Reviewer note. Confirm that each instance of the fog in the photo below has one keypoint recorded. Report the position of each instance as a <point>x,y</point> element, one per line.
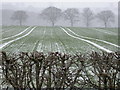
<point>33,10</point>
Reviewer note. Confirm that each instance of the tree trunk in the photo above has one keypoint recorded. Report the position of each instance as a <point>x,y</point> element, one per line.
<point>20,22</point>
<point>87,24</point>
<point>105,24</point>
<point>53,24</point>
<point>71,23</point>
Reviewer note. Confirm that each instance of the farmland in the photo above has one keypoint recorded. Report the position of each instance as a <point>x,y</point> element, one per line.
<point>58,39</point>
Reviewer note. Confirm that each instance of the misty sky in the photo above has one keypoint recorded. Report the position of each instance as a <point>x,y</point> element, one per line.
<point>59,0</point>
<point>37,6</point>
<point>63,5</point>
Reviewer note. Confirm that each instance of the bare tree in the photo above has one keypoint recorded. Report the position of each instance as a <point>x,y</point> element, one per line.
<point>51,14</point>
<point>71,14</point>
<point>21,16</point>
<point>88,16</point>
<point>106,17</point>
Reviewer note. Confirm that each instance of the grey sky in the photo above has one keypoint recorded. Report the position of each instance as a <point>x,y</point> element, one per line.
<point>36,6</point>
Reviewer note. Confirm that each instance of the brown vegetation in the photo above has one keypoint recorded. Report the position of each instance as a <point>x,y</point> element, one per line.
<point>56,70</point>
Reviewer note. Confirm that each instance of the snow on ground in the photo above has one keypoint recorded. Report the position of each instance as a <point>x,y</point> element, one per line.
<point>40,47</point>
<point>7,43</point>
<point>95,39</point>
<point>92,43</point>
<point>58,47</point>
<point>16,34</point>
<point>106,31</point>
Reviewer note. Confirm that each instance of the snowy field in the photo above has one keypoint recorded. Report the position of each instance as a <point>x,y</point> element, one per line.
<point>58,39</point>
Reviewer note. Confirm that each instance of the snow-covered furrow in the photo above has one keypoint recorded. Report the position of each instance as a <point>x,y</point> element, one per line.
<point>92,43</point>
<point>50,46</point>
<point>4,30</point>
<point>63,47</point>
<point>40,47</point>
<point>107,32</point>
<point>58,47</point>
<point>94,39</point>
<point>34,46</point>
<point>43,43</point>
<point>9,42</point>
<point>16,34</point>
<point>58,44</point>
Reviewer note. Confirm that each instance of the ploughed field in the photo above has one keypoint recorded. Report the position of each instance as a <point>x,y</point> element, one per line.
<point>58,39</point>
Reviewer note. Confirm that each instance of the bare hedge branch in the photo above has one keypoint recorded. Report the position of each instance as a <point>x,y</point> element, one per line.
<point>56,70</point>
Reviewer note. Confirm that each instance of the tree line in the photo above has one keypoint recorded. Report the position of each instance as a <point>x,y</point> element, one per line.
<point>53,14</point>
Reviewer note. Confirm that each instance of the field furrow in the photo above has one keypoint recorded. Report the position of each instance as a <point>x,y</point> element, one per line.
<point>15,34</point>
<point>7,43</point>
<point>106,31</point>
<point>55,39</point>
<point>12,31</point>
<point>94,44</point>
<point>103,43</point>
